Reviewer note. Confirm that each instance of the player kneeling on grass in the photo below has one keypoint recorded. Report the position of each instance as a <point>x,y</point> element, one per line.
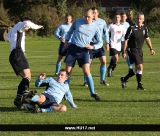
<point>50,99</point>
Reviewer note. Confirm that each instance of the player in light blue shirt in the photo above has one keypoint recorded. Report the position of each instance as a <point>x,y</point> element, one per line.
<point>83,30</point>
<point>83,34</point>
<point>60,33</point>
<point>100,53</point>
<point>50,99</point>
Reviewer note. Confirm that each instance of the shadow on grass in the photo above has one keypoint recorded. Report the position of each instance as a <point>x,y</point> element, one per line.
<point>156,100</point>
<point>9,109</point>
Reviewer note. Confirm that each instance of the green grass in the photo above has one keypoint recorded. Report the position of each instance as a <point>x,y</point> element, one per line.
<point>117,105</point>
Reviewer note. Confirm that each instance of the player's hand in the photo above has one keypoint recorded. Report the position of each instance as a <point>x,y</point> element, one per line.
<point>63,40</point>
<point>40,26</point>
<point>107,47</point>
<point>124,55</point>
<point>42,75</point>
<point>90,47</point>
<point>26,28</point>
<point>152,52</point>
<point>78,107</point>
<point>65,45</point>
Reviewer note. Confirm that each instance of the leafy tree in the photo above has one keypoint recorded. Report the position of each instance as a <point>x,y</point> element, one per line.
<point>145,6</point>
<point>16,8</point>
<point>61,6</point>
<point>150,8</point>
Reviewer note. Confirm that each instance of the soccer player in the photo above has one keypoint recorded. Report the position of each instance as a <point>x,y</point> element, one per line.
<point>126,24</point>
<point>50,99</point>
<point>100,53</point>
<point>60,34</point>
<point>82,31</point>
<point>19,63</point>
<point>134,38</point>
<point>117,31</point>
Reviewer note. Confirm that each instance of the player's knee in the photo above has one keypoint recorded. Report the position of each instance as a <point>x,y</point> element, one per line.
<point>28,75</point>
<point>63,108</point>
<point>103,63</point>
<point>59,107</point>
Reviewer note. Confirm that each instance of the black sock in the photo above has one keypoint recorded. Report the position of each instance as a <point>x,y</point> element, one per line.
<point>24,85</point>
<point>111,63</point>
<point>130,74</point>
<point>18,97</point>
<point>139,77</point>
<point>114,66</point>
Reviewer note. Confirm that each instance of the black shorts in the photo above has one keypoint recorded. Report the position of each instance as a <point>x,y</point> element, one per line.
<point>135,56</point>
<point>113,52</point>
<point>18,61</point>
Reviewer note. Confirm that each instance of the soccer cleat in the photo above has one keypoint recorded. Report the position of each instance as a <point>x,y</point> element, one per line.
<point>96,97</point>
<point>123,82</point>
<point>18,104</point>
<point>28,96</point>
<point>85,84</point>
<point>38,110</point>
<point>110,72</point>
<point>140,88</point>
<point>104,83</point>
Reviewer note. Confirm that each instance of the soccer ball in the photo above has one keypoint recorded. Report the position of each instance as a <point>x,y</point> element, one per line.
<point>28,106</point>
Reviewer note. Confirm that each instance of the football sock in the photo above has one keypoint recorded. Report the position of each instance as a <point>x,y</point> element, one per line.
<point>58,66</point>
<point>114,66</point>
<point>47,109</point>
<point>128,62</point>
<point>90,84</point>
<point>102,72</point>
<point>139,77</point>
<point>24,85</point>
<point>111,62</point>
<point>34,98</point>
<point>18,97</point>
<point>130,74</point>
<point>25,92</point>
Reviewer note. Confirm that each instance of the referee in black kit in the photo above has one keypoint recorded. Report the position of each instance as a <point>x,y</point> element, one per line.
<point>134,38</point>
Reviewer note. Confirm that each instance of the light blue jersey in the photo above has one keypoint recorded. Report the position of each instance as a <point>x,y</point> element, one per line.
<point>103,30</point>
<point>126,25</point>
<point>56,90</point>
<point>62,30</point>
<point>83,34</point>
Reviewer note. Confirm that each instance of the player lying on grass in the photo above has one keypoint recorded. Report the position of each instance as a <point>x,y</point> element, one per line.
<point>50,99</point>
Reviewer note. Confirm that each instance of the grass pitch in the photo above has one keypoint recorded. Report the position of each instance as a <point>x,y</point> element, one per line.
<point>117,105</point>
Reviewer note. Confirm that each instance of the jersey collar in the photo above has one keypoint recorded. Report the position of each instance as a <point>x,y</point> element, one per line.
<point>137,25</point>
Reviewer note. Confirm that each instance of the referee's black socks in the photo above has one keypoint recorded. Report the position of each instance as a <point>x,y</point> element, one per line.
<point>139,78</point>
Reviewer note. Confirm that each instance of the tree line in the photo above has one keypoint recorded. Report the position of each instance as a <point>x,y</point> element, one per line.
<point>50,13</point>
